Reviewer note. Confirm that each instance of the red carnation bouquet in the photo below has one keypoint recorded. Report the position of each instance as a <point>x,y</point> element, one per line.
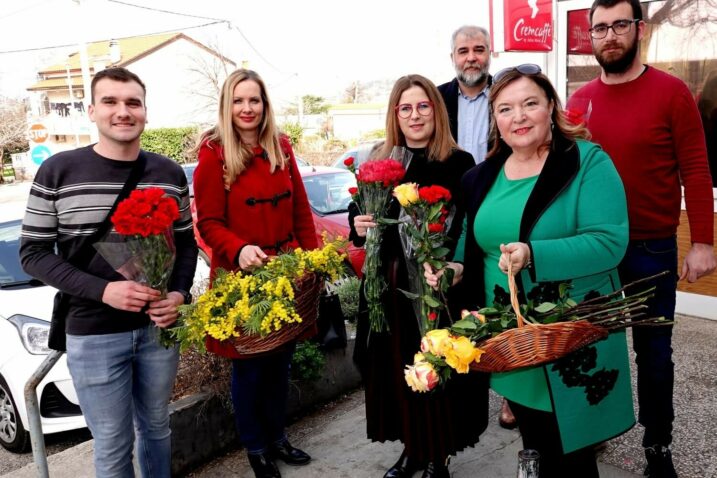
<point>144,251</point>
<point>375,179</point>
<point>423,224</point>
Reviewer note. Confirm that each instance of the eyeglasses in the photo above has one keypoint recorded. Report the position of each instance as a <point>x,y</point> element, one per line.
<point>620,27</point>
<point>405,110</point>
<point>525,69</point>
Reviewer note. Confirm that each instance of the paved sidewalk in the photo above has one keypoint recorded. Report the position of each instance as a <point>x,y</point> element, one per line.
<point>335,434</point>
<point>336,439</point>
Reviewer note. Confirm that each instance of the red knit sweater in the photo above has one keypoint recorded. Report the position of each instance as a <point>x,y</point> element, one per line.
<point>231,219</point>
<point>651,129</point>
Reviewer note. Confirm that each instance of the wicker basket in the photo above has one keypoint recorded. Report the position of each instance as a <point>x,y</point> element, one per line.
<point>533,344</point>
<point>307,291</point>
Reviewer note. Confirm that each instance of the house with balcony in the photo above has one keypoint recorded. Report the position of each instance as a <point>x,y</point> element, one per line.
<point>182,77</point>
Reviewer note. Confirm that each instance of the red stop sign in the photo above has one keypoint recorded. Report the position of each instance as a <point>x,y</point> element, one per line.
<point>38,133</point>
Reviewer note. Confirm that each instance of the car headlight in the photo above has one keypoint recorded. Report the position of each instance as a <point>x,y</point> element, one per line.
<point>34,333</point>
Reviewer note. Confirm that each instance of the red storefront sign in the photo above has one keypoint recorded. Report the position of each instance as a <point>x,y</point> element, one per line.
<point>579,41</point>
<point>528,25</point>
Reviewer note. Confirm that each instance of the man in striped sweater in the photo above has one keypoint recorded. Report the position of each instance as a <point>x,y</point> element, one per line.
<point>120,371</point>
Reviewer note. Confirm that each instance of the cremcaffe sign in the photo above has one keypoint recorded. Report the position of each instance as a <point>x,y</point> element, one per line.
<point>528,25</point>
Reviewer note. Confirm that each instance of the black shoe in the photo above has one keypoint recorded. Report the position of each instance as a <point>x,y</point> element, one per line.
<point>659,462</point>
<point>288,454</point>
<point>405,467</point>
<point>436,470</point>
<point>263,466</point>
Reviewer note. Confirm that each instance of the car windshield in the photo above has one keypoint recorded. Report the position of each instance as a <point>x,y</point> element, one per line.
<point>329,193</point>
<point>10,269</point>
<point>189,172</point>
<point>360,154</point>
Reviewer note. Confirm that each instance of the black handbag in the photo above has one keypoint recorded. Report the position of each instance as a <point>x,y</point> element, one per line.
<point>57,339</point>
<point>331,323</point>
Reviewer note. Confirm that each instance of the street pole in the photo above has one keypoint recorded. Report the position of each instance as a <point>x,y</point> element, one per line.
<point>85,65</point>
<point>72,105</point>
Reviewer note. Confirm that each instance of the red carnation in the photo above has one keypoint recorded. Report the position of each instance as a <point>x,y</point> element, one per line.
<point>349,161</point>
<point>433,194</point>
<point>353,190</point>
<point>435,227</point>
<point>145,212</point>
<point>388,172</point>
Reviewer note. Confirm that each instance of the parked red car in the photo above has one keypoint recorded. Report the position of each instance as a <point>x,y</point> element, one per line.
<point>328,191</point>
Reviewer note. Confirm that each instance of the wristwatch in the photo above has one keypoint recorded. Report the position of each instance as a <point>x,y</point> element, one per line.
<point>187,296</point>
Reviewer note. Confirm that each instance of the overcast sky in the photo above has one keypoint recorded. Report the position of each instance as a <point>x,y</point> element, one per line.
<point>299,47</point>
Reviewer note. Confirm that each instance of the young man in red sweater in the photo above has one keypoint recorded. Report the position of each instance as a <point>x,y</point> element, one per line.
<point>648,122</point>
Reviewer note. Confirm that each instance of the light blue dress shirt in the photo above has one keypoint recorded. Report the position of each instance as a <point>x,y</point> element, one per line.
<point>474,124</point>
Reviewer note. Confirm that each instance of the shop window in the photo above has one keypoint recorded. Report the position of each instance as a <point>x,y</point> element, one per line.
<point>680,38</point>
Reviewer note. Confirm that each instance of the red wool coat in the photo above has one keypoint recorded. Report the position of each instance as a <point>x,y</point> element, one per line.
<point>260,208</point>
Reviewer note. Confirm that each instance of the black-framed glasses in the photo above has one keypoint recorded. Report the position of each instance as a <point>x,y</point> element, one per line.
<point>620,27</point>
<point>525,68</point>
<point>405,110</point>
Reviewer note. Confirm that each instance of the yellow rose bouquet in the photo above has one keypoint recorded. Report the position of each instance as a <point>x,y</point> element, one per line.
<point>259,303</point>
<point>442,353</point>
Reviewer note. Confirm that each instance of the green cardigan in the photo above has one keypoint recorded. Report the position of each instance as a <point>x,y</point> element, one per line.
<point>575,222</point>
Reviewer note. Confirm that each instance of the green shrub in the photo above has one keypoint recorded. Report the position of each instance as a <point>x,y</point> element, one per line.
<point>308,362</point>
<point>175,143</point>
<point>294,131</point>
<point>334,144</point>
<point>348,292</point>
<point>375,134</point>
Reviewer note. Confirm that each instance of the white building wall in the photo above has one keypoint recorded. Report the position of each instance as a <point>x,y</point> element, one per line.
<point>353,124</point>
<point>177,95</point>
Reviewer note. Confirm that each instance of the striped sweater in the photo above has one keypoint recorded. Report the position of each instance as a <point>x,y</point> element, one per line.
<point>72,193</point>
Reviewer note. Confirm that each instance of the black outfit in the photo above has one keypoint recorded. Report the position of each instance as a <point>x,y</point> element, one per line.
<point>449,92</point>
<point>432,425</point>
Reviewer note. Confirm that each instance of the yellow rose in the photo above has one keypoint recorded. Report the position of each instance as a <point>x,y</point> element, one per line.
<point>419,358</point>
<point>406,193</point>
<point>460,352</point>
<point>433,341</point>
<point>421,377</point>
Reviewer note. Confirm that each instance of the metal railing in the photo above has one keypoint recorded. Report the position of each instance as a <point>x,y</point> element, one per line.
<point>37,439</point>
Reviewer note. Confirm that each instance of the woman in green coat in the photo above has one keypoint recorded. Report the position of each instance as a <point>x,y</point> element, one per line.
<point>552,204</point>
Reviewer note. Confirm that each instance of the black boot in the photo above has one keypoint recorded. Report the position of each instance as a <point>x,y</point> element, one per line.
<point>263,466</point>
<point>659,462</point>
<point>436,470</point>
<point>288,454</point>
<point>405,467</point>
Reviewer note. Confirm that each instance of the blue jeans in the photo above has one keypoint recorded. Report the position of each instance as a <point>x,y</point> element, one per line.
<point>124,379</point>
<point>653,345</point>
<point>260,387</point>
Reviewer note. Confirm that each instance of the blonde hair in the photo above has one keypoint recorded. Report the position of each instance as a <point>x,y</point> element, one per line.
<point>441,143</point>
<point>236,153</point>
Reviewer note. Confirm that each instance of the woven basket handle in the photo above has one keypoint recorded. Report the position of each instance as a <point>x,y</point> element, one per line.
<point>514,295</point>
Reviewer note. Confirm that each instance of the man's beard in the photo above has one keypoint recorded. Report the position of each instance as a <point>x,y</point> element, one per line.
<point>472,78</point>
<point>620,64</point>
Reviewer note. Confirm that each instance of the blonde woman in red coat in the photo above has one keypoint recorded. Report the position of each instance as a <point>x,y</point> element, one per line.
<point>251,204</point>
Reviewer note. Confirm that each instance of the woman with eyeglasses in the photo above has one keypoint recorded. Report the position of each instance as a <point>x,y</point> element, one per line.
<point>551,204</point>
<point>251,204</point>
<point>431,426</point>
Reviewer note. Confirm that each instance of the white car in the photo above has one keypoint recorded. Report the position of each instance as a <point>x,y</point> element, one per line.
<point>25,310</point>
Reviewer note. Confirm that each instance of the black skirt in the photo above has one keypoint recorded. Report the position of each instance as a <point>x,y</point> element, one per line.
<point>431,425</point>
